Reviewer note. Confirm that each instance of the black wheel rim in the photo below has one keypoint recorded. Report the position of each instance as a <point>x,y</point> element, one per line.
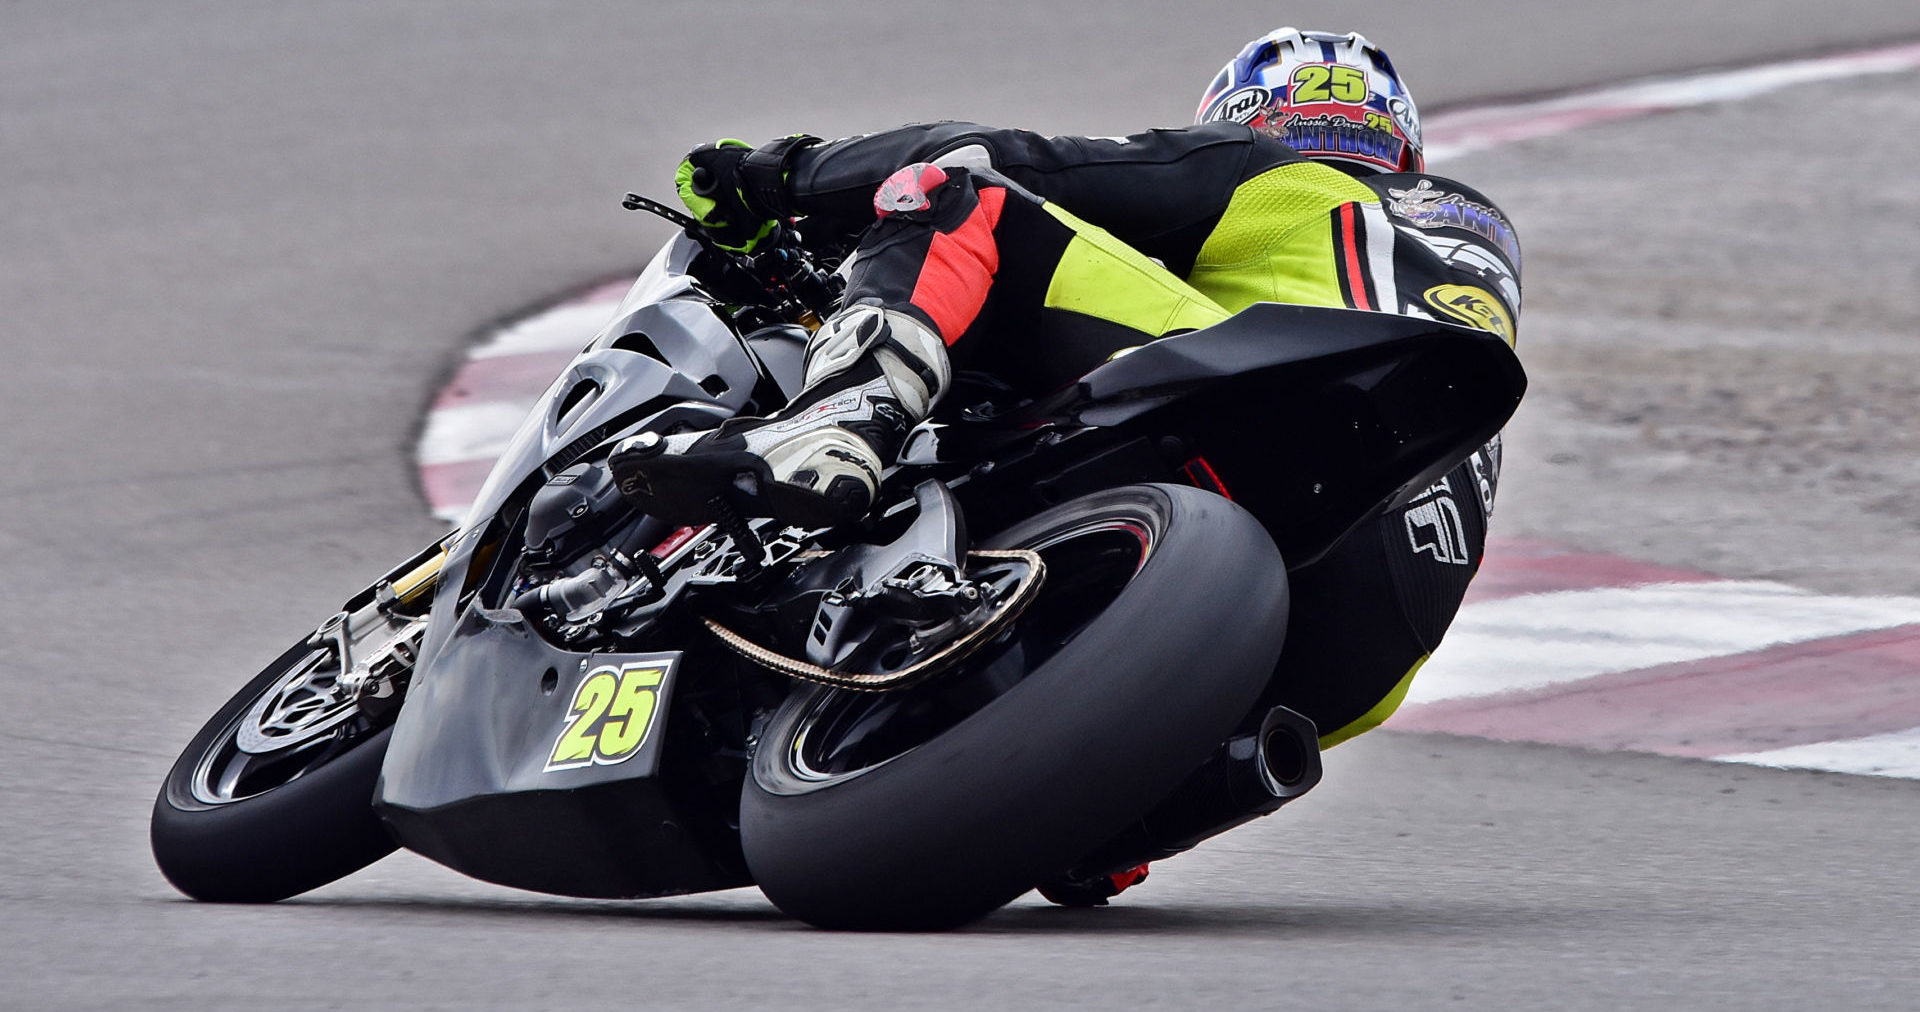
<point>303,719</point>
<point>252,756</point>
<point>843,734</point>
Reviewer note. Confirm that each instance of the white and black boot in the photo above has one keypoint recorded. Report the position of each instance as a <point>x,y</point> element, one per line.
<point>871,375</point>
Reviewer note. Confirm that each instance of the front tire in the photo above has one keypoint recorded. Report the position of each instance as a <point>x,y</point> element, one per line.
<point>274,795</point>
<point>927,808</point>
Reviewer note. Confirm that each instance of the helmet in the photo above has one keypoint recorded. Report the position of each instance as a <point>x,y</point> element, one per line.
<point>1333,98</point>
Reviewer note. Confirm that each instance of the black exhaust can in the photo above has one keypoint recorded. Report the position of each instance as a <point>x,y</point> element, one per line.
<point>1248,776</point>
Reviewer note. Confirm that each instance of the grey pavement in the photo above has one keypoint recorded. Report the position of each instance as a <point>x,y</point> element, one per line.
<point>1720,325</point>
<point>240,245</point>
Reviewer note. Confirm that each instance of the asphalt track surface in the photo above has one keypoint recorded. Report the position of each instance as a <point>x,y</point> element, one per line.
<point>240,244</point>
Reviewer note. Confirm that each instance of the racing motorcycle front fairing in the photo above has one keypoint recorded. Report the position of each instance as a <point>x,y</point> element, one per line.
<point>666,344</point>
<point>524,763</point>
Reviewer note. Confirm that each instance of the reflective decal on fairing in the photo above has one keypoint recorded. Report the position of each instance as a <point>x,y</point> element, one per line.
<point>1435,528</point>
<point>611,715</point>
<point>1475,307</point>
<point>1470,257</point>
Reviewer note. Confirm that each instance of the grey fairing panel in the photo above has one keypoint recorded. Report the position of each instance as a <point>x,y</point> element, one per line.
<point>469,653</point>
<point>473,748</point>
<point>606,381</point>
<point>474,776</point>
<point>487,718</point>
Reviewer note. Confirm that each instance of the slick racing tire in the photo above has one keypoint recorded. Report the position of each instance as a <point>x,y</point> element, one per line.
<point>1159,621</point>
<point>234,826</point>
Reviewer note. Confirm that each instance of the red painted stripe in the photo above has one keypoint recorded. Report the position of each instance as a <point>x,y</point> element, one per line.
<point>1356,276</point>
<point>503,378</point>
<point>1793,694</point>
<point>1516,566</point>
<point>454,485</point>
<point>960,267</point>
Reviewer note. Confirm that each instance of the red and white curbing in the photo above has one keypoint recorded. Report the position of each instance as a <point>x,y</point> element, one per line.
<point>1598,652</point>
<point>1552,645</point>
<point>1458,132</point>
<point>478,411</point>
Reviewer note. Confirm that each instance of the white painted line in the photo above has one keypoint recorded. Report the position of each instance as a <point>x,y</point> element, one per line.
<point>471,432</point>
<point>1452,134</point>
<point>566,327</point>
<point>1536,640</point>
<point>1885,755</point>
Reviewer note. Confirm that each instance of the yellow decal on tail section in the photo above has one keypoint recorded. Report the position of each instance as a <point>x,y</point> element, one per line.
<point>1475,307</point>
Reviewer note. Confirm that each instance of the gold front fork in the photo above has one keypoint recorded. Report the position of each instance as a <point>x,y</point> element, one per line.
<point>413,582</point>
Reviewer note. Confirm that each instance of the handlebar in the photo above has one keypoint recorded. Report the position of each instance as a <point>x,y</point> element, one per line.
<point>784,272</point>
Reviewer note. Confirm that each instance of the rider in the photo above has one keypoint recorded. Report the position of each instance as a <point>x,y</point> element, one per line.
<point>1035,258</point>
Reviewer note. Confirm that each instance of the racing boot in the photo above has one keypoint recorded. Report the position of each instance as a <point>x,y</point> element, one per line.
<point>1093,892</point>
<point>871,374</point>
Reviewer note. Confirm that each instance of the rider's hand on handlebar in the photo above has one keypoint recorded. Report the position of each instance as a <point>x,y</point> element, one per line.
<point>709,183</point>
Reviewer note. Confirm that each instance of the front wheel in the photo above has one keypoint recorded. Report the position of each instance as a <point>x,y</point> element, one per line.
<point>929,807</point>
<point>274,796</point>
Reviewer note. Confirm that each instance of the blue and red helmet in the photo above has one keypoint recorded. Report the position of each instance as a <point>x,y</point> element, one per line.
<point>1333,98</point>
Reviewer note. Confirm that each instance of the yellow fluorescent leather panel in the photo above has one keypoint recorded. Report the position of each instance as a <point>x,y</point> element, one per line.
<point>1102,277</point>
<point>1275,241</point>
<point>1375,717</point>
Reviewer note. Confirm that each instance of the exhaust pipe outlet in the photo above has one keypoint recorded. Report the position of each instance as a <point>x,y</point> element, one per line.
<point>1287,754</point>
<point>1249,775</point>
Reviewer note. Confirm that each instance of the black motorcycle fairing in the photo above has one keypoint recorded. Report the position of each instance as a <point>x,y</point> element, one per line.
<point>523,764</point>
<point>781,351</point>
<point>1314,418</point>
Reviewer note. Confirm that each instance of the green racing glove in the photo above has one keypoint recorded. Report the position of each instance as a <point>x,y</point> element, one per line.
<point>710,184</point>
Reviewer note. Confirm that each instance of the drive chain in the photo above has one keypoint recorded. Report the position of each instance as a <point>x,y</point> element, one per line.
<point>939,661</point>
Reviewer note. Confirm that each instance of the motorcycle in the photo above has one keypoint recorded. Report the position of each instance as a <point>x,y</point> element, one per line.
<point>1044,659</point>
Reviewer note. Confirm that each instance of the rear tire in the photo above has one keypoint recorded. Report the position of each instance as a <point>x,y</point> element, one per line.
<point>1159,622</point>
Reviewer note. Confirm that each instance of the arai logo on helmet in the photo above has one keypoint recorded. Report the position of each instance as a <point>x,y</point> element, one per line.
<point>1241,106</point>
<point>1405,118</point>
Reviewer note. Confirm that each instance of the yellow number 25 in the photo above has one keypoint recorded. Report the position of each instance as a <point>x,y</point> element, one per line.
<point>611,714</point>
<point>1329,82</point>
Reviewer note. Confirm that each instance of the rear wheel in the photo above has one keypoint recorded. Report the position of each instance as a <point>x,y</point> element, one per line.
<point>274,796</point>
<point>926,808</point>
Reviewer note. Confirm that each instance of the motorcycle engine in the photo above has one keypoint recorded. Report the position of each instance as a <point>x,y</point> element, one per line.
<point>578,529</point>
<point>573,512</point>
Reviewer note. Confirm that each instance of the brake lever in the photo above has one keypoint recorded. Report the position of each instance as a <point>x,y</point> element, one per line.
<point>783,272</point>
<point>693,230</point>
<point>635,202</point>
